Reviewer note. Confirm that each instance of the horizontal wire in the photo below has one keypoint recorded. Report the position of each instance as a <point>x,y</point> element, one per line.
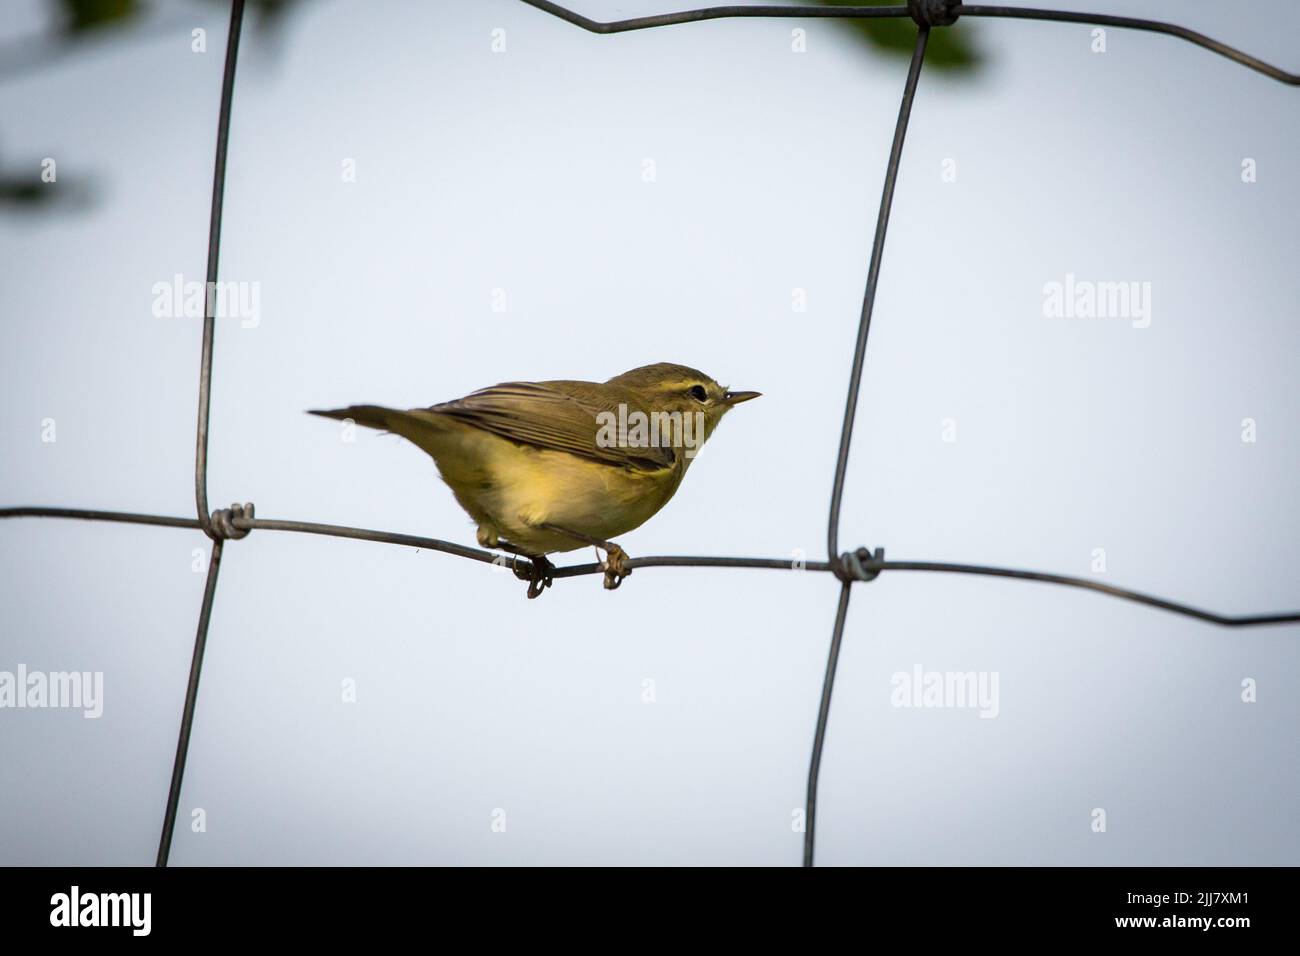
<point>86,514</point>
<point>1134,23</point>
<point>700,561</point>
<point>362,534</point>
<point>710,13</point>
<point>662,561</point>
<point>1224,620</point>
<point>974,10</point>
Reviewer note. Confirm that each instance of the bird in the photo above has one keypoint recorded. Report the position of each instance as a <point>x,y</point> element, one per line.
<point>553,466</point>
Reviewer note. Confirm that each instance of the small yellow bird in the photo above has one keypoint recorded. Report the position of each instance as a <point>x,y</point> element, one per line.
<point>554,466</point>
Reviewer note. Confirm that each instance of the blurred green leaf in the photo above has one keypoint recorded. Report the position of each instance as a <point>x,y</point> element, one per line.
<point>24,191</point>
<point>949,48</point>
<point>82,15</point>
<point>270,13</point>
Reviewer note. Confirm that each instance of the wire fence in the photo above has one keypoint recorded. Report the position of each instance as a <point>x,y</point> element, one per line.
<point>858,566</point>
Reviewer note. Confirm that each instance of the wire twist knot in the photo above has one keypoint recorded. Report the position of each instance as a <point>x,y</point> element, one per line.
<point>934,13</point>
<point>223,521</point>
<point>850,567</point>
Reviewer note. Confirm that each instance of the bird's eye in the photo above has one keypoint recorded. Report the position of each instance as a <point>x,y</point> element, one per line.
<point>699,394</point>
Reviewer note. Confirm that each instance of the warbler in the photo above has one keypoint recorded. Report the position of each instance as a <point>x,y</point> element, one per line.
<point>543,467</point>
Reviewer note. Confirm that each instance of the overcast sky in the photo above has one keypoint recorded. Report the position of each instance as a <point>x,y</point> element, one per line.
<point>669,721</point>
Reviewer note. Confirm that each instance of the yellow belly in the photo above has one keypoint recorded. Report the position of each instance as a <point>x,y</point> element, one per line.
<point>512,490</point>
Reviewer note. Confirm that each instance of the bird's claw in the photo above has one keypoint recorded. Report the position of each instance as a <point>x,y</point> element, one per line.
<point>540,575</point>
<point>615,565</point>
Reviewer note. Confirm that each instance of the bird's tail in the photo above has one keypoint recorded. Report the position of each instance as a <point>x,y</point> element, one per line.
<point>415,424</point>
<point>372,416</point>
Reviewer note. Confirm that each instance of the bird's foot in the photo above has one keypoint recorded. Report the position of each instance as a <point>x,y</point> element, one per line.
<point>540,575</point>
<point>615,565</point>
<point>615,561</point>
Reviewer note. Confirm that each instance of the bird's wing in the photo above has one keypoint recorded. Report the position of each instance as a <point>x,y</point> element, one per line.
<point>544,415</point>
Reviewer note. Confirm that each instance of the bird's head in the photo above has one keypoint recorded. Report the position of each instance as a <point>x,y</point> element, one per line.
<point>664,387</point>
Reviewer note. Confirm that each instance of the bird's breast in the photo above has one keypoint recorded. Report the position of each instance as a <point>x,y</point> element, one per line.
<point>522,488</point>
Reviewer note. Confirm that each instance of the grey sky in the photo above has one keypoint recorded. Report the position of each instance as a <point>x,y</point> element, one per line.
<point>522,171</point>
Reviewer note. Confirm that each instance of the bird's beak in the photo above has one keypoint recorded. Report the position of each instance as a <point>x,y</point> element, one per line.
<point>735,398</point>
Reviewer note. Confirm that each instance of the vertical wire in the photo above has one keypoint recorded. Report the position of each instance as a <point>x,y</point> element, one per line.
<point>187,714</point>
<point>201,438</point>
<point>869,296</point>
<point>214,249</point>
<point>846,434</point>
<point>823,715</point>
